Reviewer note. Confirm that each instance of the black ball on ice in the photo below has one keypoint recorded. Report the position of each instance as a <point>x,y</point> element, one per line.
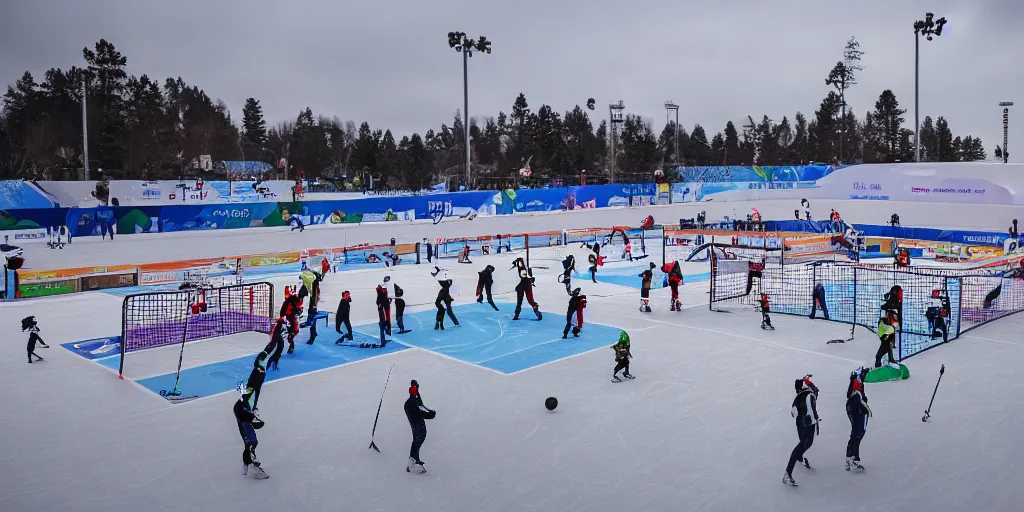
<point>551,403</point>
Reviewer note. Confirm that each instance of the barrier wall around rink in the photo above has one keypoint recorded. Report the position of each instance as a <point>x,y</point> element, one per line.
<point>672,241</point>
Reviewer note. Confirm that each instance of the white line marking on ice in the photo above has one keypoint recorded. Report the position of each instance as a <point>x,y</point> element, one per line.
<point>766,342</point>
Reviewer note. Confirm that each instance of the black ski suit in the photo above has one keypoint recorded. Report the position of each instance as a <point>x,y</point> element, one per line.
<point>857,411</point>
<point>805,409</point>
<point>276,345</point>
<point>256,377</point>
<point>525,288</point>
<point>576,305</point>
<point>34,338</point>
<point>399,309</point>
<point>444,304</point>
<point>417,413</point>
<point>383,312</point>
<point>568,266</point>
<point>247,425</point>
<point>342,317</point>
<point>483,285</point>
<point>818,301</point>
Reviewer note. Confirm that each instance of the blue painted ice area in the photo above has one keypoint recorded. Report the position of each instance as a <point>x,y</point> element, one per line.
<point>493,340</point>
<point>214,378</point>
<point>486,338</point>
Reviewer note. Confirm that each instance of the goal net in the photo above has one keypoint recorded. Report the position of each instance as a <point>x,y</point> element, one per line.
<point>937,305</point>
<point>685,245</point>
<point>614,242</point>
<point>159,319</point>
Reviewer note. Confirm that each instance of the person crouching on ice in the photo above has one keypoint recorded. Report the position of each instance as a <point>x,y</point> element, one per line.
<point>646,277</point>
<point>29,325</point>
<point>622,357</point>
<point>674,278</point>
<point>765,306</point>
<point>577,303</point>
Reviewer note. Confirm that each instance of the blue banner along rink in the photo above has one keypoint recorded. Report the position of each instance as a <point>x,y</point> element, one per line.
<point>485,338</point>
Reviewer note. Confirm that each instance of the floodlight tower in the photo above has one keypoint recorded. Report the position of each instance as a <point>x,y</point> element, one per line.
<point>927,28</point>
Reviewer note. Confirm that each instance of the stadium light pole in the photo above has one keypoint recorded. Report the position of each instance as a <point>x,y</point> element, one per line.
<point>466,47</point>
<point>615,118</point>
<point>927,28</point>
<point>670,107</point>
<point>85,134</point>
<point>1006,128</point>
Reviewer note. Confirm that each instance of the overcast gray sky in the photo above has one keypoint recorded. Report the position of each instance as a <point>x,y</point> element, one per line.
<point>389,63</point>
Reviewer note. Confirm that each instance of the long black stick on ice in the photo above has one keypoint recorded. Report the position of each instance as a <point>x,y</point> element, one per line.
<point>372,444</point>
<point>928,412</point>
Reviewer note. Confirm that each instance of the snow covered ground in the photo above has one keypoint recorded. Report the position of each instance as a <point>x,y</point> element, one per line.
<point>704,426</point>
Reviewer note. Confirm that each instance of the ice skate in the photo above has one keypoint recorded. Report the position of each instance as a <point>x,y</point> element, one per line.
<point>854,464</point>
<point>415,466</point>
<point>615,378</point>
<point>245,469</point>
<point>536,310</point>
<point>894,366</point>
<point>807,464</point>
<point>565,335</point>
<point>628,375</point>
<point>788,480</point>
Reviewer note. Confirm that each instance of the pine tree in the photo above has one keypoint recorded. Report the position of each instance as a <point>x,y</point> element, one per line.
<point>733,155</point>
<point>800,148</point>
<point>699,148</point>
<point>718,149</point>
<point>254,129</point>
<point>945,149</point>
<point>842,77</point>
<point>889,119</point>
<point>929,141</point>
<point>827,126</point>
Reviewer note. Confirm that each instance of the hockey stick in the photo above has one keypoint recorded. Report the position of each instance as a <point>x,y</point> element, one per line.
<point>181,356</point>
<point>928,412</point>
<point>372,444</point>
<point>838,340</point>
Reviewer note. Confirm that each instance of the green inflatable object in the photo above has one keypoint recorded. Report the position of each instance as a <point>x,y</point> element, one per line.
<point>887,373</point>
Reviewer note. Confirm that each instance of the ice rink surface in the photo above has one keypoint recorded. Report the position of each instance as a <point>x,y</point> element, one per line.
<point>704,426</point>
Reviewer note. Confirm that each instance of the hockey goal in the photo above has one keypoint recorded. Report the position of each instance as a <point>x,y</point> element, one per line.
<point>159,319</point>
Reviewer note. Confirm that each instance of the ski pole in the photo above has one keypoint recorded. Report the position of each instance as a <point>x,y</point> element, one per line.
<point>928,412</point>
<point>374,432</point>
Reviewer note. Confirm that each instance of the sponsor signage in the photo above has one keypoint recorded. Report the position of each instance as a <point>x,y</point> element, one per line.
<point>26,236</point>
<point>105,281</point>
<point>57,287</point>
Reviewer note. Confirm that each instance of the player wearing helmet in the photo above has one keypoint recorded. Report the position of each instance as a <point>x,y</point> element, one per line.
<point>858,412</point>
<point>805,410</point>
<point>577,302</point>
<point>622,357</point>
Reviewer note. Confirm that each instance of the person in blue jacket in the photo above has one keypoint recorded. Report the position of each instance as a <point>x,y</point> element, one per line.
<point>417,414</point>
